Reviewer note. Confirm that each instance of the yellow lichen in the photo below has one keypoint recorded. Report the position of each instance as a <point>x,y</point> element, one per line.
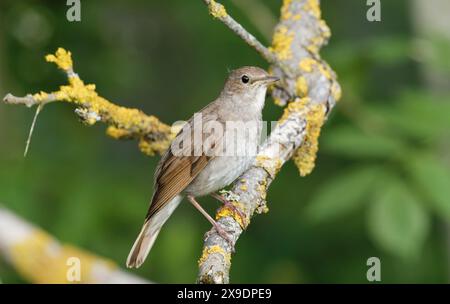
<point>307,64</point>
<point>124,122</point>
<point>41,96</point>
<point>325,70</point>
<point>207,251</point>
<point>316,43</point>
<point>270,164</point>
<point>262,190</point>
<point>326,32</point>
<point>312,48</point>
<point>41,259</point>
<point>286,13</point>
<point>117,133</point>
<point>226,211</point>
<point>62,58</point>
<point>217,10</point>
<point>243,187</point>
<point>285,10</point>
<point>305,156</point>
<point>313,6</point>
<point>336,91</point>
<point>278,101</point>
<point>294,107</point>
<point>152,148</point>
<point>282,43</point>
<point>301,86</point>
<point>264,209</point>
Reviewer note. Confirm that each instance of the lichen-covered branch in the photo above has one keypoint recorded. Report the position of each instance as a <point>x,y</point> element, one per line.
<point>310,90</point>
<point>41,259</point>
<point>123,123</point>
<point>218,11</point>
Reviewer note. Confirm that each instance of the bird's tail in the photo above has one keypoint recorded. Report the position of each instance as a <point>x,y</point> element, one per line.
<point>149,232</point>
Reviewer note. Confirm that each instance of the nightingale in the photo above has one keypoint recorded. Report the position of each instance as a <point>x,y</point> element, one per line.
<point>200,167</point>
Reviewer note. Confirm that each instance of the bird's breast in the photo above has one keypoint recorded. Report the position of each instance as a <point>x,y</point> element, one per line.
<point>219,173</point>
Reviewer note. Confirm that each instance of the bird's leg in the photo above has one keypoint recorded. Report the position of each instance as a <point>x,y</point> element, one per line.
<point>216,225</point>
<point>231,206</point>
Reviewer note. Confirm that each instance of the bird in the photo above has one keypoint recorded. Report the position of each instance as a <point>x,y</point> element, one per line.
<point>195,166</point>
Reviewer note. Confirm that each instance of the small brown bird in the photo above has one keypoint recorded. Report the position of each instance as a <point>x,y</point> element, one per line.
<point>198,172</point>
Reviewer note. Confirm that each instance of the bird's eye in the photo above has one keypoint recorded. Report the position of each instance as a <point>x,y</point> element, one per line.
<point>245,79</point>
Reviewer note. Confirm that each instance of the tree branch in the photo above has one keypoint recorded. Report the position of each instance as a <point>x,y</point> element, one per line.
<point>218,11</point>
<point>296,43</point>
<point>40,258</point>
<point>259,14</point>
<point>124,123</point>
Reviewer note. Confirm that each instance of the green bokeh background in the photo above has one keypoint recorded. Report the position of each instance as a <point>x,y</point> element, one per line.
<point>381,186</point>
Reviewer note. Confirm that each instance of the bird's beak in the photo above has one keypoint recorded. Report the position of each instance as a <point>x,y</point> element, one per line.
<point>267,79</point>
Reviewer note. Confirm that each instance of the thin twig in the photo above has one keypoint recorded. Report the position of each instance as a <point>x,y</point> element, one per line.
<point>124,123</point>
<point>218,11</point>
<point>33,124</point>
<point>259,14</point>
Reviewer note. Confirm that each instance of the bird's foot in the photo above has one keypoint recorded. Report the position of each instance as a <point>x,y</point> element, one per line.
<point>237,211</point>
<point>220,231</point>
<point>216,225</point>
<point>228,204</point>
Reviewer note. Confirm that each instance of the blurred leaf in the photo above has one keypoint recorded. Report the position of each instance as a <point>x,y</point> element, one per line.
<point>434,51</point>
<point>433,177</point>
<point>349,141</point>
<point>397,222</point>
<point>389,50</point>
<point>341,194</point>
<point>417,114</point>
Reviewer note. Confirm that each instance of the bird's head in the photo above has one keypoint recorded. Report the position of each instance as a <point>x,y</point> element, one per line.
<point>248,81</point>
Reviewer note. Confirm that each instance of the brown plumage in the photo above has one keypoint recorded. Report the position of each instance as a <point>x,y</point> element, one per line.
<point>194,175</point>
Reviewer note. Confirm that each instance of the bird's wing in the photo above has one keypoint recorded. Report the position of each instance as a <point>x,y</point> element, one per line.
<point>175,173</point>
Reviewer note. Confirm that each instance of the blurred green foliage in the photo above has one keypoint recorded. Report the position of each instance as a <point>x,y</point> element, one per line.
<point>382,182</point>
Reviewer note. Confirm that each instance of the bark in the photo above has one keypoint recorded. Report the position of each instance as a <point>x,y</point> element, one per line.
<point>40,258</point>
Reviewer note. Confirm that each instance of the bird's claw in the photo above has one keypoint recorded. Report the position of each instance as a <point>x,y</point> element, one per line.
<point>237,211</point>
<point>223,234</point>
